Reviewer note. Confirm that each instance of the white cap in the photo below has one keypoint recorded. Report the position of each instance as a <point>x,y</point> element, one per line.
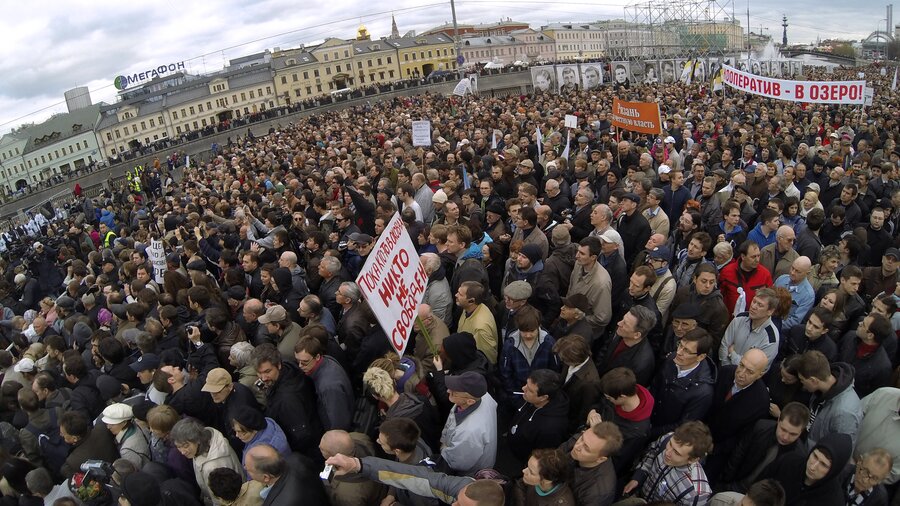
<point>670,140</point>
<point>117,413</point>
<point>664,169</point>
<point>20,278</point>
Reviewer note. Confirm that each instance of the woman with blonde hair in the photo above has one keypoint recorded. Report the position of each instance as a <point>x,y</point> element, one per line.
<point>393,404</point>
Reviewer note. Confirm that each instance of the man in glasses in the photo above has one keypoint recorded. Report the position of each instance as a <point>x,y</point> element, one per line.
<point>863,483</point>
<point>683,387</point>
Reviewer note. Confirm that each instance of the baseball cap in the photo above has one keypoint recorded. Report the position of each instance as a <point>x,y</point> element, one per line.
<point>273,314</point>
<point>664,169</point>
<point>146,362</point>
<point>670,140</point>
<point>360,238</point>
<point>632,197</point>
<point>892,252</point>
<point>216,380</point>
<point>660,252</point>
<point>608,237</point>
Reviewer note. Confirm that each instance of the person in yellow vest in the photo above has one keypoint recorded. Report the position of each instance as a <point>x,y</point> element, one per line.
<point>108,236</point>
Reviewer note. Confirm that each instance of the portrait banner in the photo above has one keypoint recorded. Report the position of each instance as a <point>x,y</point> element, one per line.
<point>543,79</point>
<point>567,77</point>
<point>591,76</point>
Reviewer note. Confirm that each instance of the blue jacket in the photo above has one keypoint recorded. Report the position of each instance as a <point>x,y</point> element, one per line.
<point>673,203</point>
<point>802,299</point>
<point>514,367</point>
<point>273,436</point>
<point>757,236</point>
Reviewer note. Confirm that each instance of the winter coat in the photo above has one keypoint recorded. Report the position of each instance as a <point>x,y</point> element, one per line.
<point>639,358</point>
<point>300,484</point>
<point>736,471</point>
<point>514,366</point>
<point>99,444</point>
<point>438,296</point>
<point>533,428</point>
<point>838,410</point>
<point>291,403</point>
<point>469,438</point>
<point>334,393</point>
<point>219,454</point>
<point>272,435</point>
<point>678,400</point>
<point>790,472</point>
<point>870,372</point>
<point>420,411</point>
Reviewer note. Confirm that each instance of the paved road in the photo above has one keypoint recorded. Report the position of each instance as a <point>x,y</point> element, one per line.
<point>201,146</point>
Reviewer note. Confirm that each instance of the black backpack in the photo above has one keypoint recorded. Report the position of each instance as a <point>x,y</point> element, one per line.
<point>53,447</point>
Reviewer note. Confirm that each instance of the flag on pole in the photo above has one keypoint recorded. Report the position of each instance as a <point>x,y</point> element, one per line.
<point>538,140</point>
<point>687,72</point>
<point>718,84</point>
<point>565,153</point>
<point>894,84</point>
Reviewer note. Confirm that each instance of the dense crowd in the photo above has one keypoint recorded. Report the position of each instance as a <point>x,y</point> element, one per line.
<point>704,316</point>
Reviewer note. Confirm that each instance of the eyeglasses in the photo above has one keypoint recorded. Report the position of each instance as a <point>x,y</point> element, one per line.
<point>866,474</point>
<point>682,348</point>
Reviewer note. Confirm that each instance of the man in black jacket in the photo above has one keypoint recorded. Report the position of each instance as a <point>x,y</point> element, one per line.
<point>630,346</point>
<point>814,479</point>
<point>289,481</point>
<point>290,399</point>
<point>740,399</point>
<point>766,442</point>
<point>85,395</point>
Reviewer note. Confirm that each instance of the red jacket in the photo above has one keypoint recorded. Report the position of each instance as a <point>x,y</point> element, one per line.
<point>732,277</point>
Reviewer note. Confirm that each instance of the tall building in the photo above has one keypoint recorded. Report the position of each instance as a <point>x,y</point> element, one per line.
<point>577,41</point>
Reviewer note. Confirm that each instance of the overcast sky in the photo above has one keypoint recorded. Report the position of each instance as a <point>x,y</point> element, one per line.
<point>50,46</point>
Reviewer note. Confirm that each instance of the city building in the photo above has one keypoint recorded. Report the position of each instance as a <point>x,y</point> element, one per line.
<point>502,49</point>
<point>539,46</point>
<point>421,55</point>
<point>191,106</point>
<point>577,41</point>
<point>503,27</point>
<point>296,75</point>
<point>57,147</point>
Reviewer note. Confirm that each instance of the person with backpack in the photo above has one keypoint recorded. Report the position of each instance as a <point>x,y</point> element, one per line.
<point>40,438</point>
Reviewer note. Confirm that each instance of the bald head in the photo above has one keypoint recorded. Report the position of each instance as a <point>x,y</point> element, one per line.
<point>288,260</point>
<point>752,366</point>
<point>785,231</point>
<point>800,269</point>
<point>655,241</point>
<point>334,442</point>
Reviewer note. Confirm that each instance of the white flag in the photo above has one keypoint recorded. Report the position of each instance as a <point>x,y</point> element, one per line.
<point>462,88</point>
<point>539,140</point>
<point>894,84</point>
<point>565,153</point>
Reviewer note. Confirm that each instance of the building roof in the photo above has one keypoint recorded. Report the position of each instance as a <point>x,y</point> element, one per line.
<point>61,126</point>
<point>419,40</point>
<point>494,40</point>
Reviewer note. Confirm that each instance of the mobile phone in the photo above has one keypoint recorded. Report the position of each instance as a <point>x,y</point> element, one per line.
<point>327,473</point>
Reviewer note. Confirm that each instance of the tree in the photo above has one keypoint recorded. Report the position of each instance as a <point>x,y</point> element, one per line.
<point>843,50</point>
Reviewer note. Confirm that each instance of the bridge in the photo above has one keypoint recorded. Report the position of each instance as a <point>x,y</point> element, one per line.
<point>832,58</point>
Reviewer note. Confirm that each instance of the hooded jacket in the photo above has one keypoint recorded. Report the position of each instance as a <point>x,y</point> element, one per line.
<point>418,410</point>
<point>291,403</point>
<point>838,410</point>
<point>790,471</point>
<point>558,268</point>
<point>272,435</point>
<point>532,427</point>
<point>464,356</point>
<point>678,400</point>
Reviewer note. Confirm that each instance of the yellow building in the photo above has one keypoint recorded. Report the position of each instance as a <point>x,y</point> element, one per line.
<point>296,73</point>
<point>421,55</point>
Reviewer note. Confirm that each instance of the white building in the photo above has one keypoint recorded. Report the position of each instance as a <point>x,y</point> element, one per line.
<point>539,46</point>
<point>57,147</point>
<point>577,41</point>
<point>502,49</point>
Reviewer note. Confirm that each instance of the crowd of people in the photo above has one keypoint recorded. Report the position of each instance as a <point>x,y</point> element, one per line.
<point>704,316</point>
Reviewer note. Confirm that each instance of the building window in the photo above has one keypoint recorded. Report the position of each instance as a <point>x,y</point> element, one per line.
<point>369,63</point>
<point>346,53</point>
<point>337,69</point>
<point>143,126</point>
<point>327,71</point>
<point>347,67</point>
<point>316,73</point>
<point>389,60</point>
<point>326,56</point>
<point>294,77</point>
<point>371,77</point>
<point>133,129</point>
<point>391,73</point>
<point>268,90</point>
<point>309,90</point>
<point>243,97</point>
<point>252,95</point>
<point>319,88</point>
<point>381,76</point>
<point>118,135</point>
<point>359,64</point>
<point>297,92</point>
<point>196,126</point>
<point>305,75</point>
<point>108,136</point>
<point>152,123</point>
<point>192,110</point>
<point>406,58</point>
<point>379,62</point>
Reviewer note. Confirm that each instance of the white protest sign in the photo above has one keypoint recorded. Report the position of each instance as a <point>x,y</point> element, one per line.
<point>421,132</point>
<point>813,92</point>
<point>157,256</point>
<point>393,282</point>
<point>571,121</point>
<point>868,95</point>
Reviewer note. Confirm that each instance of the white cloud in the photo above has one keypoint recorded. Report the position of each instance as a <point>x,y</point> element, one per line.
<point>50,46</point>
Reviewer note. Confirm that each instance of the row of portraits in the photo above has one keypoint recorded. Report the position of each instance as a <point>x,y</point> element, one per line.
<point>566,78</point>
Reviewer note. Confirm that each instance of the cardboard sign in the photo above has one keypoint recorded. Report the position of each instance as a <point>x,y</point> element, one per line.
<point>640,117</point>
<point>812,92</point>
<point>157,255</point>
<point>393,282</point>
<point>571,121</point>
<point>421,132</point>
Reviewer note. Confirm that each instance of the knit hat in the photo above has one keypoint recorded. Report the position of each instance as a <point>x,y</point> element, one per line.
<point>460,349</point>
<point>533,252</point>
<point>439,197</point>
